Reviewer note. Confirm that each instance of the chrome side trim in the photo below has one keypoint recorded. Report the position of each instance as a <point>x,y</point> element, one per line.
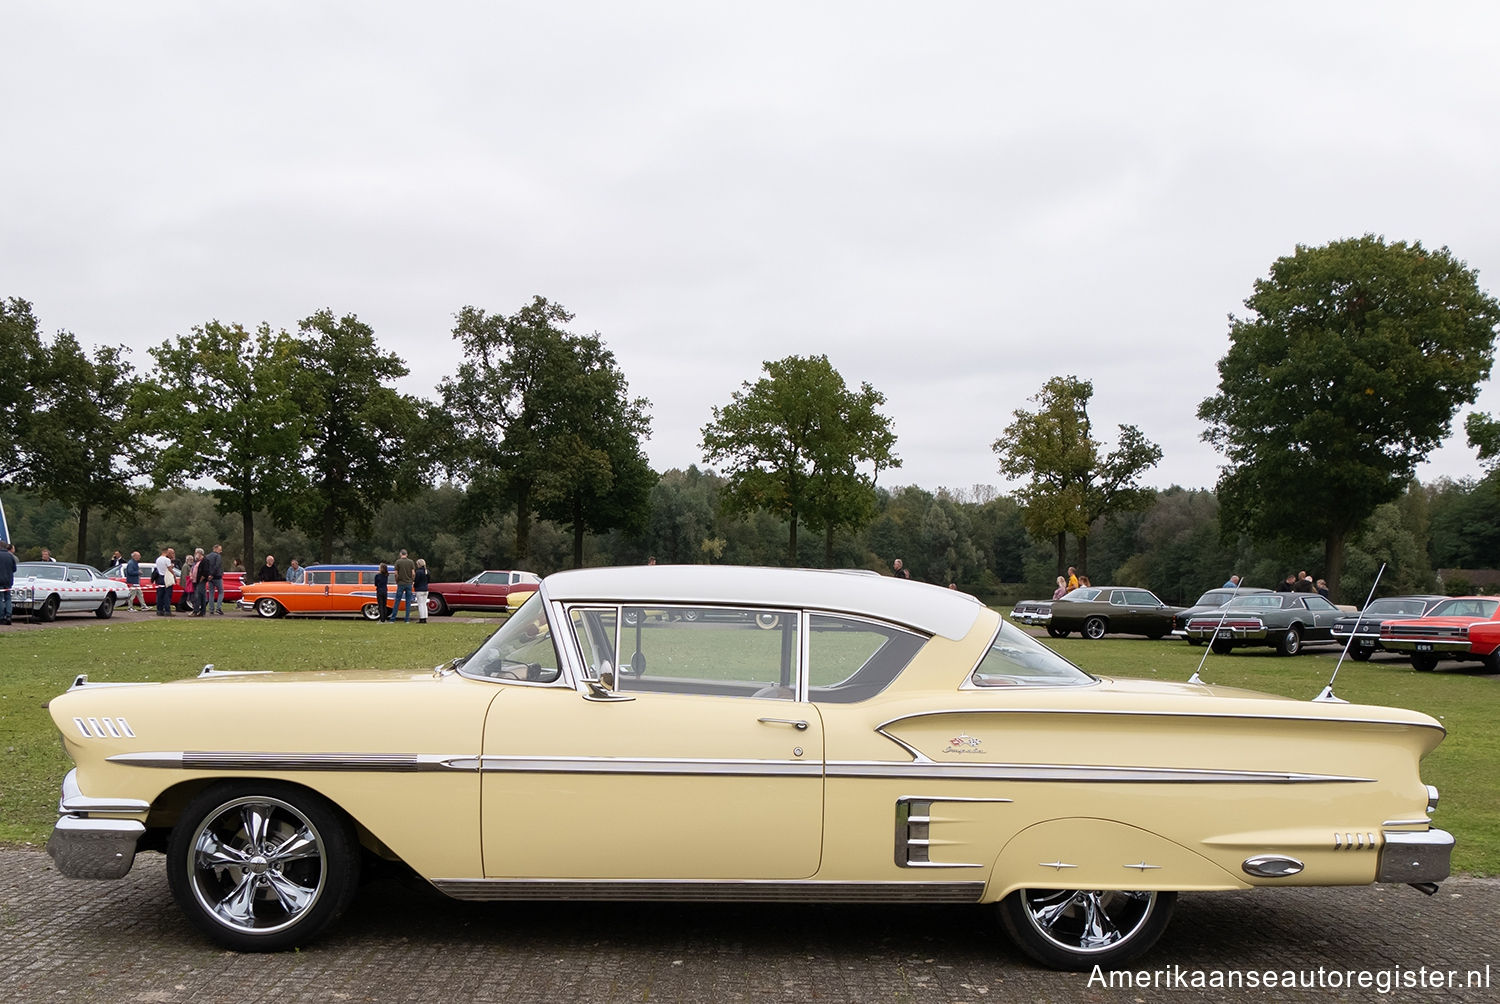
<point>82,680</point>
<point>924,770</point>
<point>928,770</point>
<point>883,726</point>
<point>649,765</point>
<point>711,890</point>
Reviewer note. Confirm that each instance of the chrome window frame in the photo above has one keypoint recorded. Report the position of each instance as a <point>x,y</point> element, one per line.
<point>969,684</point>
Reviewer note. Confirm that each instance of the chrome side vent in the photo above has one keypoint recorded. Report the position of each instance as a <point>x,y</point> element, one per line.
<point>103,728</point>
<point>1354,841</point>
<point>913,832</point>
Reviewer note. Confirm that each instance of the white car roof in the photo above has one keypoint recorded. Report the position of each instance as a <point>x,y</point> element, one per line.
<point>930,609</point>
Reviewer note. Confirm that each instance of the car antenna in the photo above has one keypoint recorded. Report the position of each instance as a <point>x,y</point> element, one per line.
<point>1327,695</point>
<point>1195,678</point>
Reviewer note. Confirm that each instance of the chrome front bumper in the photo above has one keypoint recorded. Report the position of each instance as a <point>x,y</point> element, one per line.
<point>86,844</point>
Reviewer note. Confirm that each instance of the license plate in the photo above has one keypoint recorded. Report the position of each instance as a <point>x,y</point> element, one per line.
<point>1424,646</point>
<point>1366,643</point>
<point>1224,633</point>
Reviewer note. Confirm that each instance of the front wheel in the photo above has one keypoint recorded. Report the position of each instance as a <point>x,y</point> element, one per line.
<point>437,606</point>
<point>106,609</point>
<point>1078,929</point>
<point>1289,643</point>
<point>267,607</point>
<point>262,866</point>
<point>370,611</point>
<point>47,611</point>
<point>1094,628</point>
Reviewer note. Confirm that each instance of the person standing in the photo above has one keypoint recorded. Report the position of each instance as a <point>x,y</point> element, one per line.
<point>214,560</point>
<point>382,583</point>
<point>268,572</point>
<point>189,577</point>
<point>1233,582</point>
<point>1062,588</point>
<point>899,570</point>
<point>1072,578</point>
<point>200,584</point>
<point>405,575</point>
<point>163,578</point>
<point>133,583</point>
<point>295,573</point>
<point>7,580</point>
<point>47,555</point>
<point>419,584</point>
<point>1304,583</point>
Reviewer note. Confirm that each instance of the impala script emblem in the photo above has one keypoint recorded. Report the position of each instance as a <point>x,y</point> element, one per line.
<point>964,743</point>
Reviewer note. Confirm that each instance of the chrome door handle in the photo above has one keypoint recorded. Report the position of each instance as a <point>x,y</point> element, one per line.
<point>797,724</point>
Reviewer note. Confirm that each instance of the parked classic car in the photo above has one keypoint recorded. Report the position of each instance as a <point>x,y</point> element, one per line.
<point>1096,611</point>
<point>1460,628</point>
<point>1362,630</point>
<point>45,589</point>
<point>489,590</point>
<point>1214,599</point>
<point>325,590</point>
<point>1032,612</point>
<point>233,586</point>
<point>1285,621</point>
<point>886,741</point>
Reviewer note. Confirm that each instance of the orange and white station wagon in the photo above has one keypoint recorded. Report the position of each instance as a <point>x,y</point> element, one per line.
<point>810,736</point>
<point>325,590</point>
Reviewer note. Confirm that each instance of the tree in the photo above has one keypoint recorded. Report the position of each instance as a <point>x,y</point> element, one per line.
<point>1068,484</point>
<point>81,447</point>
<point>542,420</point>
<point>1346,374</point>
<point>799,444</point>
<point>228,406</point>
<point>355,452</point>
<point>21,348</point>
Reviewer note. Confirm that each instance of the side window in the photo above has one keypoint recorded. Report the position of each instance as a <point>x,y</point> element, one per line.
<point>319,578</point>
<point>850,659</point>
<point>1141,598</point>
<point>1120,598</point>
<point>491,579</point>
<point>594,630</point>
<point>350,578</point>
<point>714,651</point>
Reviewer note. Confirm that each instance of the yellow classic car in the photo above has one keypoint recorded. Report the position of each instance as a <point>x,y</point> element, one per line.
<point>881,741</point>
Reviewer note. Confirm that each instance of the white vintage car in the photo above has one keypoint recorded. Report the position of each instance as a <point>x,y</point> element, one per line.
<point>882,741</point>
<point>45,589</point>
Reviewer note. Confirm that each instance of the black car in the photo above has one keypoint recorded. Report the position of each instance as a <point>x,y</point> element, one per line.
<point>1214,599</point>
<point>1364,627</point>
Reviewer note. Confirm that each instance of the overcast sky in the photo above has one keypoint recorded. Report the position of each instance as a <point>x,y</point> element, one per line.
<point>953,201</point>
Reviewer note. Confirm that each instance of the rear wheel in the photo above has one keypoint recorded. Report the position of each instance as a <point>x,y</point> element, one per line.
<point>1094,628</point>
<point>1289,643</point>
<point>1056,632</point>
<point>1221,647</point>
<point>1078,929</point>
<point>370,611</point>
<point>261,866</point>
<point>1423,662</point>
<point>1360,654</point>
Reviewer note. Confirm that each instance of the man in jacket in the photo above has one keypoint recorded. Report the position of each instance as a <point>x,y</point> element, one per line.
<point>405,575</point>
<point>214,566</point>
<point>7,580</point>
<point>133,583</point>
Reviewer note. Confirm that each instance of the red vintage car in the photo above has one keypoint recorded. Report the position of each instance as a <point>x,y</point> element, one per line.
<point>490,590</point>
<point>234,582</point>
<point>1464,627</point>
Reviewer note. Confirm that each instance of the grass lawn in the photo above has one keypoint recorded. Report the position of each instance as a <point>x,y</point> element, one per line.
<point>36,665</point>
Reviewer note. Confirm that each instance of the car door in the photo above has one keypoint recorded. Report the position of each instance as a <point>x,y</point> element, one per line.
<point>692,760</point>
<point>1320,617</point>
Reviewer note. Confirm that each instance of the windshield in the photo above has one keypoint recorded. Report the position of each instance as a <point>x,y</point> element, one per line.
<point>1016,659</point>
<point>1465,607</point>
<point>521,650</point>
<point>1082,594</point>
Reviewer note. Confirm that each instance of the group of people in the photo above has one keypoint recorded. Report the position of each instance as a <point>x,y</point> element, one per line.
<point>411,585</point>
<point>1301,582</point>
<point>1067,583</point>
<point>201,575</point>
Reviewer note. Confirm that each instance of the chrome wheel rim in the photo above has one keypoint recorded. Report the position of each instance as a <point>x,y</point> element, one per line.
<point>257,865</point>
<point>1094,628</point>
<point>266,607</point>
<point>1088,922</point>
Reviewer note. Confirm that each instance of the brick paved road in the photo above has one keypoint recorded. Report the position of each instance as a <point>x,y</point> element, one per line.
<point>126,942</point>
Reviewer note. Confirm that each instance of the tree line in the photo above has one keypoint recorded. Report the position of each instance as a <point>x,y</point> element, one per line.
<point>1347,371</point>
